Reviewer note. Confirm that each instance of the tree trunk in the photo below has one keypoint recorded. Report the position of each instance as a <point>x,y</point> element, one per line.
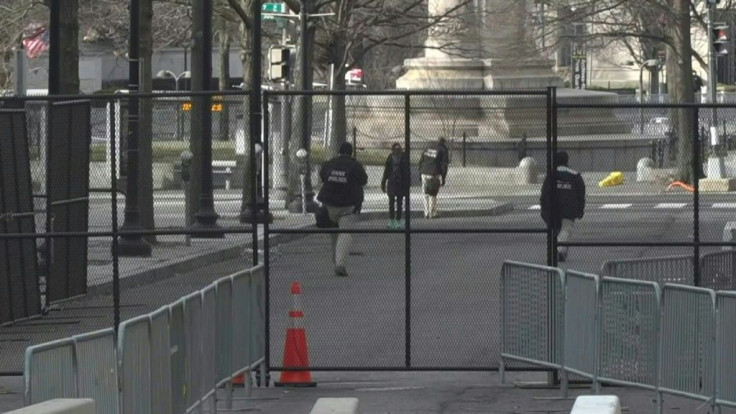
<point>245,57</point>
<point>302,120</point>
<point>679,70</point>
<point>224,79</point>
<point>339,122</point>
<point>195,135</point>
<point>145,126</point>
<point>69,46</point>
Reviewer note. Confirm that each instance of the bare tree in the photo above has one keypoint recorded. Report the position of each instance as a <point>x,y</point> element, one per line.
<point>641,27</point>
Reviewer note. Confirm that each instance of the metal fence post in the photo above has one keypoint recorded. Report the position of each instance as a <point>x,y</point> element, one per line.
<point>114,206</point>
<point>697,167</point>
<point>266,234</point>
<point>407,240</point>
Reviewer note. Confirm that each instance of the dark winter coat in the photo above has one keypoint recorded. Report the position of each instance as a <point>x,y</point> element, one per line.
<point>569,196</point>
<point>434,160</point>
<point>343,179</point>
<point>396,175</point>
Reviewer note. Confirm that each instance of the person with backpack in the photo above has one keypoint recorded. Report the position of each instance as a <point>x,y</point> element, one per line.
<point>569,201</point>
<point>433,168</point>
<point>341,194</point>
<point>395,183</point>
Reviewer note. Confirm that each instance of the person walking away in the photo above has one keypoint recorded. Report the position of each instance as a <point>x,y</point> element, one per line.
<point>395,183</point>
<point>433,168</point>
<point>569,201</point>
<point>343,179</point>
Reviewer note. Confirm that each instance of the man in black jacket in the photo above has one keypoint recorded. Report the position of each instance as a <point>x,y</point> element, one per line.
<point>343,179</point>
<point>433,167</point>
<point>569,203</point>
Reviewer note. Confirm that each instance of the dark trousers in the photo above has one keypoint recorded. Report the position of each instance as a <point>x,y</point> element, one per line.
<point>395,206</point>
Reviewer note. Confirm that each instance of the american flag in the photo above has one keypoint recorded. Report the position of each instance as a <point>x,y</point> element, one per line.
<point>37,42</point>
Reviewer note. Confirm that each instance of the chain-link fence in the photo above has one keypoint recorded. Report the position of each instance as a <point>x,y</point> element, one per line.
<point>422,290</point>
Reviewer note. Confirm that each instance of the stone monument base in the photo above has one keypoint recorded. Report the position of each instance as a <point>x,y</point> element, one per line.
<point>483,118</point>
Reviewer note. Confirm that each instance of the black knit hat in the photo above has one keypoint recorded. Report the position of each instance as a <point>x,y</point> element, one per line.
<point>346,149</point>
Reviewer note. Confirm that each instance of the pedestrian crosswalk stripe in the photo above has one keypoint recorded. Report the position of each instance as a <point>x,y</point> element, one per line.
<point>615,206</point>
<point>724,205</point>
<point>535,207</point>
<point>671,205</point>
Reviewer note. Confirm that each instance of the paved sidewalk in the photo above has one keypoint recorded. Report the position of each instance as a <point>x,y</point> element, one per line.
<point>420,392</point>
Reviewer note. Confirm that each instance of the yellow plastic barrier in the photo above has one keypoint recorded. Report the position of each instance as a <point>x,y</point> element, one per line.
<point>614,178</point>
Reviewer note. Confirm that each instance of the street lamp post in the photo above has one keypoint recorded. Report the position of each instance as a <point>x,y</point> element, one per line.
<point>716,166</point>
<point>133,244</point>
<point>169,74</point>
<point>649,63</point>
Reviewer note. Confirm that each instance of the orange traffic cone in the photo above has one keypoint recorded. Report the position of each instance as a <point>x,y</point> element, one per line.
<point>239,381</point>
<point>295,347</point>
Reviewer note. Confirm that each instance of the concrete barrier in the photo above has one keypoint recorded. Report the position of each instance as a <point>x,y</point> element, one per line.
<point>596,404</point>
<point>644,170</point>
<point>335,406</point>
<point>59,406</point>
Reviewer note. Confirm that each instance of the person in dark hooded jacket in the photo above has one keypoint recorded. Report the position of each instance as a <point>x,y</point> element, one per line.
<point>395,183</point>
<point>343,179</point>
<point>569,201</point>
<point>433,168</point>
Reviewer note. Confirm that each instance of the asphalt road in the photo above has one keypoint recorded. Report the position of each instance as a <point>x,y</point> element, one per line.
<point>361,320</point>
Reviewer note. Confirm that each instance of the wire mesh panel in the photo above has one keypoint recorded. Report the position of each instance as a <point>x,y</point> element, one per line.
<point>241,318</point>
<point>208,331</point>
<point>672,269</point>
<point>688,356</point>
<point>629,332</point>
<point>224,329</point>
<point>581,300</point>
<point>725,357</point>
<point>68,197</point>
<point>134,353</point>
<point>178,344</point>
<point>194,339</point>
<point>718,270</point>
<point>161,357</point>
<point>257,314</point>
<point>19,288</point>
<point>97,369</point>
<point>532,318</point>
<point>50,371</point>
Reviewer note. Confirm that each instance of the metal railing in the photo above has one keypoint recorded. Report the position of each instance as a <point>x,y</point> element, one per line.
<point>674,339</point>
<point>531,310</point>
<point>187,350</point>
<point>687,351</point>
<point>668,269</point>
<point>580,346</point>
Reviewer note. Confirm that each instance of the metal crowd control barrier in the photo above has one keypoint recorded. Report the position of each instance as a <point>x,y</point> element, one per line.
<point>581,329</point>
<point>97,369</point>
<point>718,270</point>
<point>50,371</point>
<point>628,333</point>
<point>669,269</point>
<point>531,316</point>
<point>134,345</point>
<point>725,356</point>
<point>687,344</point>
<point>160,361</point>
<point>169,361</point>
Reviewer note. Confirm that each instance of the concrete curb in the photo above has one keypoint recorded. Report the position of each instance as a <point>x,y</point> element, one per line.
<point>171,269</point>
<point>168,270</point>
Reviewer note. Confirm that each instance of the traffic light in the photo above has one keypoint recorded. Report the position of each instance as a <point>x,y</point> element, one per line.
<point>720,39</point>
<point>279,59</point>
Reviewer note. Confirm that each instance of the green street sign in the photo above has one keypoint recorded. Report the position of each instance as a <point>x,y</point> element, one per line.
<point>273,8</point>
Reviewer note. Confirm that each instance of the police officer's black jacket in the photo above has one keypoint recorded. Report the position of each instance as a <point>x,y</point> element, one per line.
<point>434,160</point>
<point>569,197</point>
<point>343,179</point>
